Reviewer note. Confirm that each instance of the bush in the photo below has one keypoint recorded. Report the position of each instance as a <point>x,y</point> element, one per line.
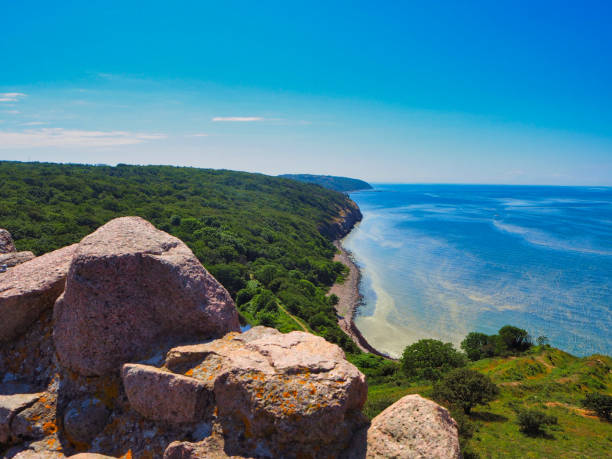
<point>465,388</point>
<point>532,421</point>
<point>514,338</point>
<point>601,404</point>
<point>430,359</point>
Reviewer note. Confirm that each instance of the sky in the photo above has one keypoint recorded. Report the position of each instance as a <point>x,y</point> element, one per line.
<point>513,92</point>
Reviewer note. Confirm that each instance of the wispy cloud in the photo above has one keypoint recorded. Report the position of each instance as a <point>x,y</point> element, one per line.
<point>236,119</point>
<point>11,112</point>
<point>58,137</point>
<point>11,96</point>
<point>34,123</point>
<point>199,134</point>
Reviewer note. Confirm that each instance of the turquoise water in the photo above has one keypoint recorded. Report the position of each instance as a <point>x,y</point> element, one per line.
<point>439,261</point>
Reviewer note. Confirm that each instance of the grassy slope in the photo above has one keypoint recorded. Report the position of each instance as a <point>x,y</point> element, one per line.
<point>547,379</point>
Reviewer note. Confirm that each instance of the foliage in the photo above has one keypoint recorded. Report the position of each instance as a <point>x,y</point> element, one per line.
<point>514,338</point>
<point>430,358</point>
<point>509,340</point>
<point>466,388</point>
<point>532,421</point>
<point>333,183</point>
<point>600,404</point>
<point>241,226</point>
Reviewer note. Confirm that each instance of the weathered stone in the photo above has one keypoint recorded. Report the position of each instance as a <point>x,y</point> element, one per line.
<point>38,420</point>
<point>10,406</point>
<point>160,395</point>
<point>278,395</point>
<point>90,456</point>
<point>31,287</point>
<point>413,427</point>
<point>210,448</point>
<point>130,288</point>
<point>15,258</point>
<point>84,419</point>
<point>6,242</point>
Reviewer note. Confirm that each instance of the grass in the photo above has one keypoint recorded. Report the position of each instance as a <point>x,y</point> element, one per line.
<point>545,378</point>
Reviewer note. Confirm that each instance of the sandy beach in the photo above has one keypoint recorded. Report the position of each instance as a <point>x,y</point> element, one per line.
<point>350,299</point>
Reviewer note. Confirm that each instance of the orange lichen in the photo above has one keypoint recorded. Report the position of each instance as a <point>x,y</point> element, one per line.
<point>49,428</point>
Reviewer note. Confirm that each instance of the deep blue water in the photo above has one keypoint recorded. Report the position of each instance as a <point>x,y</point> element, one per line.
<point>439,261</point>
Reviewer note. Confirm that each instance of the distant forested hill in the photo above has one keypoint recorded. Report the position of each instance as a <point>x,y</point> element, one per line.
<point>343,184</point>
<point>259,235</point>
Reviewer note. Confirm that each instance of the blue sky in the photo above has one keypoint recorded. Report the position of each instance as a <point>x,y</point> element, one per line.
<point>477,92</point>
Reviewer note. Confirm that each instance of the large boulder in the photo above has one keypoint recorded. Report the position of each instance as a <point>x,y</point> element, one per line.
<point>278,395</point>
<point>413,427</point>
<point>164,396</point>
<point>30,288</point>
<point>130,289</point>
<point>6,242</point>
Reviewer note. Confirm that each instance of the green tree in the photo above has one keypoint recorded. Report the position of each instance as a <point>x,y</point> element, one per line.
<point>474,345</point>
<point>465,389</point>
<point>514,338</point>
<point>430,358</point>
<point>532,421</point>
<point>601,404</point>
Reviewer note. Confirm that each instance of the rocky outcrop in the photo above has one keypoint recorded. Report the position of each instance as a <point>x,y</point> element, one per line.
<point>9,260</point>
<point>141,357</point>
<point>413,427</point>
<point>30,288</point>
<point>278,395</point>
<point>6,242</point>
<point>130,287</point>
<point>348,215</point>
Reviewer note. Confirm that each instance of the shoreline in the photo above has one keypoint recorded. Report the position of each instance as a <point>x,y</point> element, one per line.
<point>349,300</point>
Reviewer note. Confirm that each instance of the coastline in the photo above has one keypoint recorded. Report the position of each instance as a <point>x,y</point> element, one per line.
<point>350,299</point>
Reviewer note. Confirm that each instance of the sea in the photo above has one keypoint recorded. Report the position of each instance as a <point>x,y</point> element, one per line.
<point>440,261</point>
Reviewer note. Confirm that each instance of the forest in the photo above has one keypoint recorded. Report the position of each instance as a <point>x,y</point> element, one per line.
<point>258,235</point>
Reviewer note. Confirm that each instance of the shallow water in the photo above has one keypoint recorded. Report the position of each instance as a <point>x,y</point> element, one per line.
<point>439,261</point>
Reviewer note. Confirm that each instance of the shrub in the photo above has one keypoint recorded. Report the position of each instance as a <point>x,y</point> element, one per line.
<point>532,421</point>
<point>601,404</point>
<point>465,388</point>
<point>430,358</point>
<point>514,338</point>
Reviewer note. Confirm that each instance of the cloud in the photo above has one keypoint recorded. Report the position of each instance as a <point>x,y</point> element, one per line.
<point>236,119</point>
<point>58,137</point>
<point>34,123</point>
<point>11,96</point>
<point>201,134</point>
<point>11,112</point>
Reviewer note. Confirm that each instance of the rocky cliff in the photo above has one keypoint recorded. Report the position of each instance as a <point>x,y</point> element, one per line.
<point>125,346</point>
<point>347,216</point>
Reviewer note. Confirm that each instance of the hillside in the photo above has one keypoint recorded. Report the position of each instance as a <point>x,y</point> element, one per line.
<point>343,184</point>
<point>545,378</point>
<point>261,236</point>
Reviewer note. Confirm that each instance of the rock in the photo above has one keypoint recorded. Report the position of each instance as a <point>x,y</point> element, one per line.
<point>31,287</point>
<point>130,288</point>
<point>413,427</point>
<point>210,448</point>
<point>160,395</point>
<point>84,419</point>
<point>38,420</point>
<point>15,258</point>
<point>6,242</point>
<point>10,406</point>
<point>278,395</point>
<point>90,456</point>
